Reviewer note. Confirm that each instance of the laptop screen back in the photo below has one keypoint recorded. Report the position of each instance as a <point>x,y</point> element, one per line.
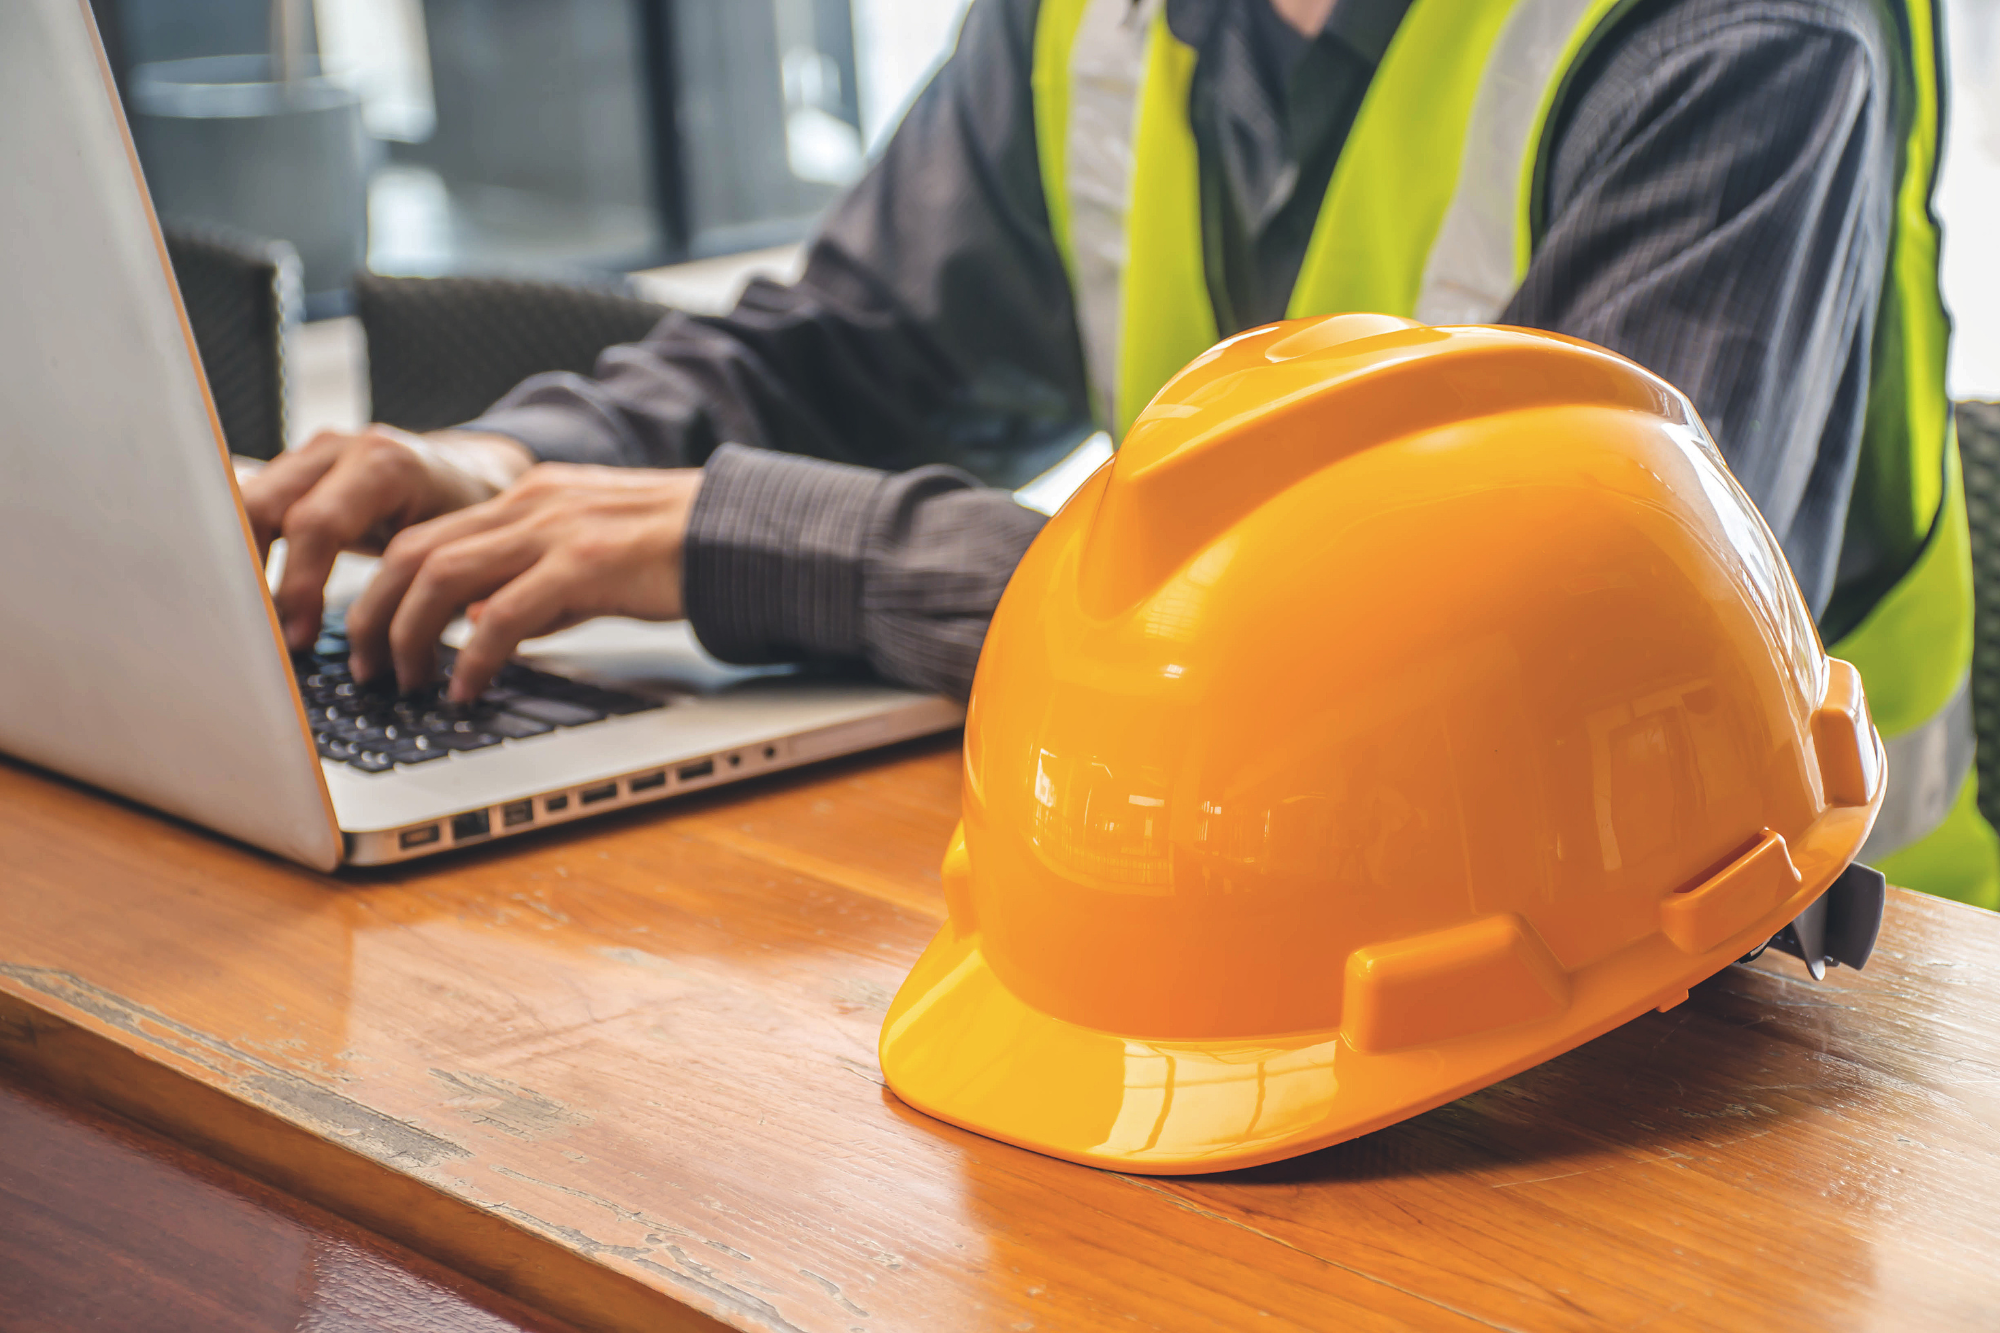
<point>138,651</point>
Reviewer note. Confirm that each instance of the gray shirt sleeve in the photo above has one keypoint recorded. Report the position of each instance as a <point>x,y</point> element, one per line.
<point>1719,211</point>
<point>793,559</point>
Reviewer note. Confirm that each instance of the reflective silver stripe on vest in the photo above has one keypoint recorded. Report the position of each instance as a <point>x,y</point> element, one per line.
<point>1927,769</point>
<point>1469,276</point>
<point>1106,65</point>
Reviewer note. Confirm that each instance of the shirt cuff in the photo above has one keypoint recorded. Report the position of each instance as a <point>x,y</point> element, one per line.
<point>772,565</point>
<point>555,419</point>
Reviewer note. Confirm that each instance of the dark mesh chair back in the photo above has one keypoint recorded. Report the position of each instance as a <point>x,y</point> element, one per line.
<point>242,296</point>
<point>443,350</point>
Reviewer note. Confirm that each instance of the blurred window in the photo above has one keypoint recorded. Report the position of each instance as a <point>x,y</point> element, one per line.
<point>538,149</point>
<point>588,134</point>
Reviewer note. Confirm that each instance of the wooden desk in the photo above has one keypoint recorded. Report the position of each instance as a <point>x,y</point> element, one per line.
<point>626,1074</point>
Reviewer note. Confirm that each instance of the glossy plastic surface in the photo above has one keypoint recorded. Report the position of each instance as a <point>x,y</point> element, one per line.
<point>1401,707</point>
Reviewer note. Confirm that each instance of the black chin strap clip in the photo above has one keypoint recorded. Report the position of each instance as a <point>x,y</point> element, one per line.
<point>1840,926</point>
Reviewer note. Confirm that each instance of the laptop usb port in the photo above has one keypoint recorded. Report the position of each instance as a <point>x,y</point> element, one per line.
<point>418,837</point>
<point>471,824</point>
<point>689,772</point>
<point>650,781</point>
<point>517,812</point>
<point>604,792</point>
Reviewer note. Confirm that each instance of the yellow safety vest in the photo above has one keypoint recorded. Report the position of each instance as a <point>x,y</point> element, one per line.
<point>1432,213</point>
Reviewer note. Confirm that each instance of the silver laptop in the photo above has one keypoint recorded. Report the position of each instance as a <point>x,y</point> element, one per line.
<point>139,651</point>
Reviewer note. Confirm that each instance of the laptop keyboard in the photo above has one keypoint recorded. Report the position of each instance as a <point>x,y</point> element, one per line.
<point>373,728</point>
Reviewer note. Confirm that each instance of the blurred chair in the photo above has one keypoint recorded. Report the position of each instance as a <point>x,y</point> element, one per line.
<point>243,297</point>
<point>443,350</point>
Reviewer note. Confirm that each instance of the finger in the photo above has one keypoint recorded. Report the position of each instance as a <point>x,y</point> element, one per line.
<point>451,576</point>
<point>370,617</point>
<point>280,482</point>
<point>539,602</point>
<point>362,488</point>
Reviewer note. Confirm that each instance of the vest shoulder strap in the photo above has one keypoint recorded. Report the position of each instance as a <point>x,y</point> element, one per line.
<point>1428,214</point>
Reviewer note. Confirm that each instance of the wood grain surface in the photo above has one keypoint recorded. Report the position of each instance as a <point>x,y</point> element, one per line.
<point>626,1073</point>
<point>106,1226</point>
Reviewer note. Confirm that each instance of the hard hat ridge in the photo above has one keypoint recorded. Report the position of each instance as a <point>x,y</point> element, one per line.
<point>1261,411</point>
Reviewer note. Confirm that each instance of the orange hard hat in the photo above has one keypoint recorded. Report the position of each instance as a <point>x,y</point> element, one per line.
<point>1401,707</point>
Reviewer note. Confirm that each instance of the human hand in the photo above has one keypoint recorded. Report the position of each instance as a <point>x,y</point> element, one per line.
<point>564,544</point>
<point>354,491</point>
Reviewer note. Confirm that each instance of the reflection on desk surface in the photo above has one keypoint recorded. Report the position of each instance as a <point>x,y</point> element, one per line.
<point>112,1227</point>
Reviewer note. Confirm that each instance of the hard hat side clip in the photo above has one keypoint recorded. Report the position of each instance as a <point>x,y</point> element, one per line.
<point>1840,926</point>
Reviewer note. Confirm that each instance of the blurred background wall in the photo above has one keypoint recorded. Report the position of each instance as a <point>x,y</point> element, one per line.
<point>552,134</point>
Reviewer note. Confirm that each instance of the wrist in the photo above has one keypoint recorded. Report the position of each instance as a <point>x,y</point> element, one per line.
<point>494,461</point>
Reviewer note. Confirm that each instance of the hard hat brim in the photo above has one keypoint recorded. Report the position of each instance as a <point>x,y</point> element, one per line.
<point>959,1045</point>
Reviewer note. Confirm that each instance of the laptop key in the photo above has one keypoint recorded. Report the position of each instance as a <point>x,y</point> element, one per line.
<point>515,726</point>
<point>371,761</point>
<point>460,740</point>
<point>624,705</point>
<point>554,712</point>
<point>514,676</point>
<point>417,754</point>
